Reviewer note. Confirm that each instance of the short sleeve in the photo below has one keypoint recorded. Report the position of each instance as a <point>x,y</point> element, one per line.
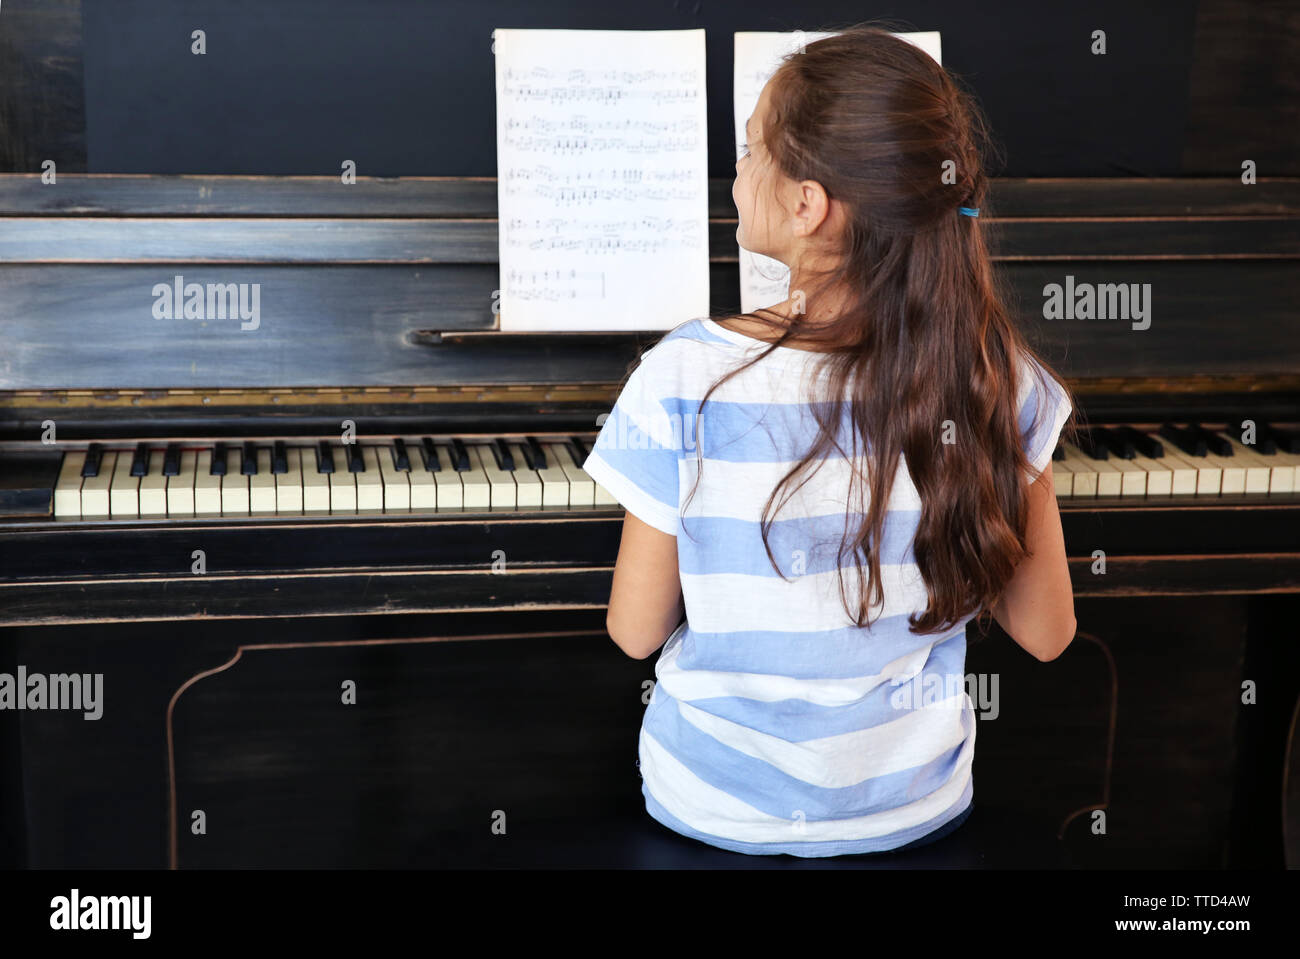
<point>1044,408</point>
<point>635,456</point>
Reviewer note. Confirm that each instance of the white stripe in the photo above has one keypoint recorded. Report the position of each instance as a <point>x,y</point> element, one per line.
<point>714,812</point>
<point>686,368</point>
<point>737,602</point>
<point>731,490</point>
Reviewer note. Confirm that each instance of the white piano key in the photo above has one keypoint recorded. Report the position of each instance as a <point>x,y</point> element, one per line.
<point>450,485</point>
<point>289,485</point>
<point>261,485</point>
<point>343,485</point>
<point>1261,477</point>
<point>1184,474</point>
<point>67,490</point>
<point>1208,475</point>
<point>1062,479</point>
<point>124,490</point>
<point>501,482</point>
<point>95,489</point>
<point>234,486</point>
<point>1085,478</point>
<point>397,488</point>
<point>1285,470</point>
<point>1108,477</point>
<point>207,487</point>
<point>582,488</point>
<point>555,482</point>
<point>1233,473</point>
<point>1133,478</point>
<point>476,490</point>
<point>528,483</point>
<point>1160,478</point>
<point>424,485</point>
<point>315,484</point>
<point>370,483</point>
<point>180,488</point>
<point>153,487</point>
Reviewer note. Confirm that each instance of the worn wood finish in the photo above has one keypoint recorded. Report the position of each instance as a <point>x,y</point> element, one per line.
<point>445,240</point>
<point>353,325</point>
<point>357,285</point>
<point>476,197</point>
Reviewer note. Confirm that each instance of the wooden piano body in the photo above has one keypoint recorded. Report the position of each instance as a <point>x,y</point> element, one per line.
<point>471,640</point>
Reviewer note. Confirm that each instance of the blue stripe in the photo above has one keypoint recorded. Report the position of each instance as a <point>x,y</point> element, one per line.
<point>725,545</point>
<point>755,432</point>
<point>797,720</point>
<point>833,654</point>
<point>769,790</point>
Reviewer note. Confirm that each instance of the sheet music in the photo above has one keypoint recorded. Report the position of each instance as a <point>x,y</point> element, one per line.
<point>763,280</point>
<point>602,178</point>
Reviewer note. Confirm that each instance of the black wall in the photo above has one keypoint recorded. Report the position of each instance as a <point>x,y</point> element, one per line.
<point>405,87</point>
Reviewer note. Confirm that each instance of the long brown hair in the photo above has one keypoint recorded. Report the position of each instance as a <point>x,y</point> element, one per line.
<point>925,337</point>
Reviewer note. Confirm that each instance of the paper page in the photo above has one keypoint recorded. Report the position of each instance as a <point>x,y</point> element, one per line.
<point>764,281</point>
<point>602,179</point>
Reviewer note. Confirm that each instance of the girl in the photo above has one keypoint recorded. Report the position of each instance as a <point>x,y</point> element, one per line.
<point>831,489</point>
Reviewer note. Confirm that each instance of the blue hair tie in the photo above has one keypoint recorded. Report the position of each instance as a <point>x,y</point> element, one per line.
<point>969,210</point>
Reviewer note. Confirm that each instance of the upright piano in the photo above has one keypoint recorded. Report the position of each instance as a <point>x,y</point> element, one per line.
<point>325,534</point>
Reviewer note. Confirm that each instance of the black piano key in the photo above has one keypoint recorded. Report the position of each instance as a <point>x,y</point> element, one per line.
<point>1117,444</point>
<point>356,462</point>
<point>536,455</point>
<point>432,461</point>
<point>501,453</point>
<point>1091,444</point>
<point>324,457</point>
<point>1148,446</point>
<point>279,458</point>
<point>218,467</point>
<point>140,461</point>
<point>172,460</point>
<point>1188,442</point>
<point>249,465</point>
<point>1265,442</point>
<point>1058,452</point>
<point>579,449</point>
<point>1286,440</point>
<point>1213,442</point>
<point>401,459</point>
<point>459,456</point>
<point>94,457</point>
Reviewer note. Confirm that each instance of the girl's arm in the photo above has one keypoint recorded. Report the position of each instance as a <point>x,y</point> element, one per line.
<point>645,602</point>
<point>1037,607</point>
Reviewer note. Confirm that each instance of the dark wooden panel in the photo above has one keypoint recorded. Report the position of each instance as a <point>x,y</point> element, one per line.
<point>92,327</point>
<point>336,240</point>
<point>476,197</point>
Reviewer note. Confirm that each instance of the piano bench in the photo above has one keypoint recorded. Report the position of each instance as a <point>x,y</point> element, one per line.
<point>990,838</point>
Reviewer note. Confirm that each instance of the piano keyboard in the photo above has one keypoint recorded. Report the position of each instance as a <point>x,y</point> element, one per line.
<point>1175,461</point>
<point>251,479</point>
<point>419,474</point>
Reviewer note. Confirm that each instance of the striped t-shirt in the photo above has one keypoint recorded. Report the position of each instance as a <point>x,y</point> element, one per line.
<point>775,724</point>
